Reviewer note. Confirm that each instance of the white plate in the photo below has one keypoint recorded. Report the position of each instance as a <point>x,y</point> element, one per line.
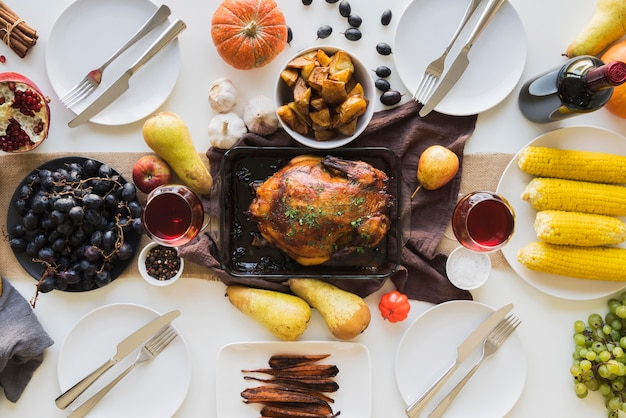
<point>429,347</point>
<point>87,33</point>
<point>511,186</point>
<point>352,359</point>
<point>497,59</point>
<point>154,389</point>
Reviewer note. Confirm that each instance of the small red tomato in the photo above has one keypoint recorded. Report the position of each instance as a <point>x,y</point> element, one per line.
<point>394,306</point>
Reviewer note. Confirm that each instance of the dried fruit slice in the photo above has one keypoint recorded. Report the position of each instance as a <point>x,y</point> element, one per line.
<point>24,113</point>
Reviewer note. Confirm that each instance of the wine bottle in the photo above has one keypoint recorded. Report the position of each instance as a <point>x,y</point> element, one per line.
<point>583,84</point>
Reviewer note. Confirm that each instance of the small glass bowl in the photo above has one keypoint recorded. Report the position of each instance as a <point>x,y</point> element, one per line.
<point>467,269</point>
<point>141,264</point>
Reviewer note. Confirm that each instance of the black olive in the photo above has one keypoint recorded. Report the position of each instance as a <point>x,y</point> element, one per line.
<point>289,35</point>
<point>385,18</point>
<point>355,21</point>
<point>382,84</point>
<point>383,48</point>
<point>324,31</point>
<point>390,97</point>
<point>345,8</point>
<point>332,1</point>
<point>352,34</point>
<point>383,71</point>
<point>307,2</point>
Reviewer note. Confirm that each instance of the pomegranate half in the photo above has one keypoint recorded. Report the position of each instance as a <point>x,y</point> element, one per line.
<point>24,113</point>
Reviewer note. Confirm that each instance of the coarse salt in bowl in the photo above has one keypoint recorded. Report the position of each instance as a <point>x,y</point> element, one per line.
<point>284,94</point>
<point>141,264</point>
<point>467,269</point>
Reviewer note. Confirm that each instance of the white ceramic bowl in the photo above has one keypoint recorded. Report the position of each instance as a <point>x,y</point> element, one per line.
<point>467,269</point>
<point>283,95</point>
<point>141,264</point>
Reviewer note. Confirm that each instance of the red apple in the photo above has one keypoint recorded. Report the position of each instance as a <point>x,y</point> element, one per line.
<point>150,172</point>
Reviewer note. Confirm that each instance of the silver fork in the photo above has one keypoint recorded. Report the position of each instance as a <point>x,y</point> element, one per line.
<point>94,77</point>
<point>148,352</point>
<point>435,69</point>
<point>492,343</point>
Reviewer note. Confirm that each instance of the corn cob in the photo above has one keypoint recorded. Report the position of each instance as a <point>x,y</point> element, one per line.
<point>596,263</point>
<point>574,165</point>
<point>576,196</point>
<point>579,229</point>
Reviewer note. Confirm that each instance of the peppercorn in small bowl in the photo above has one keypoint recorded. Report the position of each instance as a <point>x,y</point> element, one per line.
<point>160,265</point>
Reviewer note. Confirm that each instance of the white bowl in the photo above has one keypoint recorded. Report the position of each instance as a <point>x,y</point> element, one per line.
<point>467,269</point>
<point>283,95</point>
<point>141,264</point>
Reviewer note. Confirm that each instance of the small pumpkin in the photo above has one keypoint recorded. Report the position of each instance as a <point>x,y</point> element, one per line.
<point>248,33</point>
<point>394,306</point>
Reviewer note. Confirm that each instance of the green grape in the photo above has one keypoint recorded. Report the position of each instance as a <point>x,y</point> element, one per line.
<point>579,339</point>
<point>617,386</point>
<point>616,324</point>
<point>575,371</point>
<point>580,389</point>
<point>593,384</point>
<point>591,355</point>
<point>614,403</point>
<point>595,320</point>
<point>579,326</point>
<point>604,356</point>
<point>610,317</point>
<point>620,311</point>
<point>613,304</point>
<point>622,298</point>
<point>603,371</point>
<point>606,329</point>
<point>617,352</point>
<point>605,389</point>
<point>622,342</point>
<point>598,347</point>
<point>585,365</point>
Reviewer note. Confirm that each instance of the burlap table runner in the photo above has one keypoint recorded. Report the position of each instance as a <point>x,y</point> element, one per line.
<point>480,172</point>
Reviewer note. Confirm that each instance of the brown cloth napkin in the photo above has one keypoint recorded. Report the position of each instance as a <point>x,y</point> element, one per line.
<point>22,342</point>
<point>422,274</point>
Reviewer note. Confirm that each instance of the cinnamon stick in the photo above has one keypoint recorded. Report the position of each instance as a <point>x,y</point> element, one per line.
<point>15,32</point>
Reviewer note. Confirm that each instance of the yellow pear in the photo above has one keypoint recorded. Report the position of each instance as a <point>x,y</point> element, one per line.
<point>607,25</point>
<point>346,314</point>
<point>436,167</point>
<point>285,316</point>
<point>168,136</point>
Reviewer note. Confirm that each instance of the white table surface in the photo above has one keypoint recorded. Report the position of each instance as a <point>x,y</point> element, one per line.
<point>208,321</point>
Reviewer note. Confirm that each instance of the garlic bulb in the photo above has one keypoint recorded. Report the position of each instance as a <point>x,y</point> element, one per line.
<point>225,129</point>
<point>222,95</point>
<point>259,114</point>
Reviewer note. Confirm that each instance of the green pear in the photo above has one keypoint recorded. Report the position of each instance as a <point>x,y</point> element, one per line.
<point>607,25</point>
<point>346,314</point>
<point>285,316</point>
<point>168,136</point>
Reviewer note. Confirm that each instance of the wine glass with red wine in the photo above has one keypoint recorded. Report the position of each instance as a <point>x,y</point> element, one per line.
<point>172,215</point>
<point>483,221</point>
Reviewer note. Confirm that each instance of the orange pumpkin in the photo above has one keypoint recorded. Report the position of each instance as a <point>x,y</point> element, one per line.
<point>248,33</point>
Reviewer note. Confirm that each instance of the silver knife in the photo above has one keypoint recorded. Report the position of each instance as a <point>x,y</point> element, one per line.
<point>463,351</point>
<point>462,61</point>
<point>124,348</point>
<point>122,83</point>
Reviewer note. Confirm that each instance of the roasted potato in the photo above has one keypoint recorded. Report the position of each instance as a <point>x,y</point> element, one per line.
<point>326,99</point>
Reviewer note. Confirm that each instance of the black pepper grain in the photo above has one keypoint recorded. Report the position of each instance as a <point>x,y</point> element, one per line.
<point>162,263</point>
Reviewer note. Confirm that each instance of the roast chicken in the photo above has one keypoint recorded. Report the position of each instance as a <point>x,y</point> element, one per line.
<point>317,208</point>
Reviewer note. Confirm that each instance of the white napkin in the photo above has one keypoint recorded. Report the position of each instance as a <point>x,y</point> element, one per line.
<point>22,342</point>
